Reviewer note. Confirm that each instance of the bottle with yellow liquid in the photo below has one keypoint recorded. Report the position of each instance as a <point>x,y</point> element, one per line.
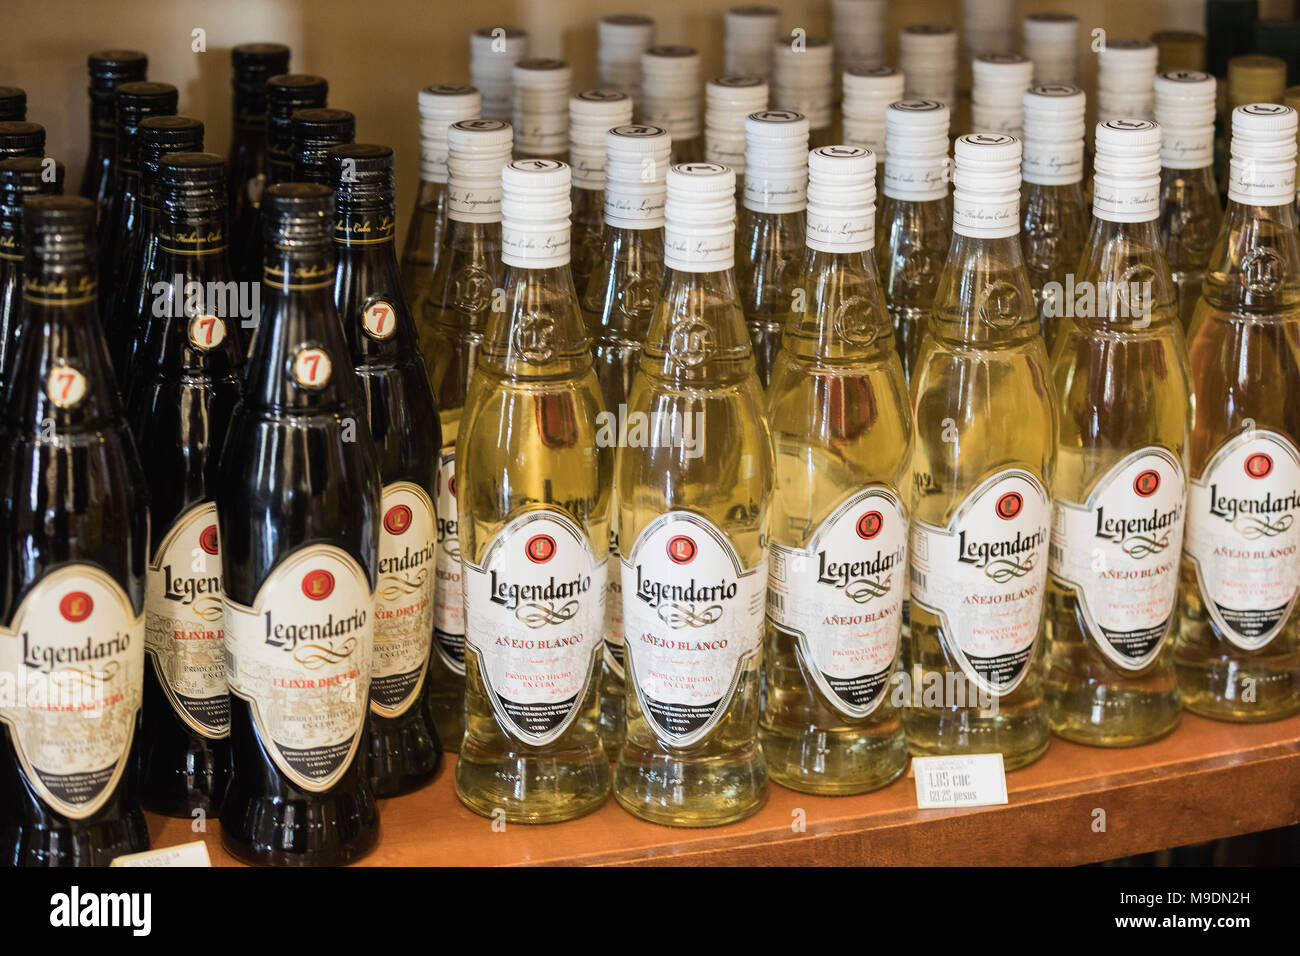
<point>728,100</point>
<point>771,250</point>
<point>916,220</point>
<point>1190,212</point>
<point>984,452</point>
<point>591,113</point>
<point>1119,490</point>
<point>440,105</point>
<point>620,300</point>
<point>1238,652</point>
<point>534,526</point>
<point>451,330</point>
<point>837,573</point>
<point>1054,216</point>
<point>694,486</point>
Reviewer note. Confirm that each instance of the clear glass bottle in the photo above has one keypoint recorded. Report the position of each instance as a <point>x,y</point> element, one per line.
<point>1238,653</point>
<point>1190,211</point>
<point>617,307</point>
<point>728,100</point>
<point>670,97</point>
<point>440,105</point>
<point>694,485</point>
<point>1119,487</point>
<point>591,113</point>
<point>915,219</point>
<point>837,526</point>
<point>534,528</point>
<point>404,748</point>
<point>450,331</point>
<point>770,253</point>
<point>1054,216</point>
<point>985,447</point>
<point>803,80</point>
<point>541,108</point>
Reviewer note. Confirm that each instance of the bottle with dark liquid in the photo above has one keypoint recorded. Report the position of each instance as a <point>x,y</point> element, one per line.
<point>179,404</point>
<point>13,103</point>
<point>298,512</point>
<point>108,69</point>
<point>254,64</point>
<point>451,337</point>
<point>20,178</point>
<point>72,565</point>
<point>135,103</point>
<point>440,105</point>
<point>315,133</point>
<point>125,316</point>
<point>404,746</point>
<point>20,138</point>
<point>285,95</point>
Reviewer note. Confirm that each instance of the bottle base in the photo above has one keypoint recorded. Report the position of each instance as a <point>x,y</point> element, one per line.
<point>1021,738</point>
<point>833,764</point>
<point>96,844</point>
<point>690,791</point>
<point>278,832</point>
<point>526,788</point>
<point>402,758</point>
<point>1099,715</point>
<point>448,718</point>
<point>1238,691</point>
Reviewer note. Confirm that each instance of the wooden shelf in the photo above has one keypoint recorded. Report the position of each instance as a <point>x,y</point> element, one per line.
<point>1207,780</point>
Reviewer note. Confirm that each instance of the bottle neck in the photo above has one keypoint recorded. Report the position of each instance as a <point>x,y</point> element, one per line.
<point>248,120</point>
<point>983,298</point>
<point>845,321</point>
<point>103,122</point>
<point>1125,281</point>
<point>196,232</point>
<point>1255,265</point>
<point>366,234</point>
<point>539,334</point>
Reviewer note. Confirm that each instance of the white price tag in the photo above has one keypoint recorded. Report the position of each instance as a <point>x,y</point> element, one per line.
<point>184,854</point>
<point>970,780</point>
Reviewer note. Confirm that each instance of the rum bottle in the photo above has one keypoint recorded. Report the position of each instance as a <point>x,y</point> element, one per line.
<point>20,178</point>
<point>108,70</point>
<point>591,113</point>
<point>670,97</point>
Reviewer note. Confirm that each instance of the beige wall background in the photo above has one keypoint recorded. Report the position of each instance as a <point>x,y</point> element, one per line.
<point>378,53</point>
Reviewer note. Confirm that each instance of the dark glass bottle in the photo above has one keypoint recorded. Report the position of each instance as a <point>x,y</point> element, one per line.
<point>253,64</point>
<point>13,103</point>
<point>72,567</point>
<point>182,394</point>
<point>315,133</point>
<point>404,746</point>
<point>20,138</point>
<point>135,102</point>
<point>108,70</point>
<point>20,177</point>
<point>298,510</point>
<point>285,95</point>
<point>124,316</point>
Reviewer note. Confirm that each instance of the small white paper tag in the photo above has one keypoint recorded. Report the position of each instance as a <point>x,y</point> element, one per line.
<point>969,780</point>
<point>184,854</point>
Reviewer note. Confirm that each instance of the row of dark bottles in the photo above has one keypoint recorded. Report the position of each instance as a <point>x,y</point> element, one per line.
<point>215,416</point>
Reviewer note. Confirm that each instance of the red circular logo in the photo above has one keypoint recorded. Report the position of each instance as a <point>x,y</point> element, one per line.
<point>681,549</point>
<point>869,524</point>
<point>1009,505</point>
<point>318,584</point>
<point>1145,484</point>
<point>540,548</point>
<point>76,606</point>
<point>451,485</point>
<point>398,519</point>
<point>1259,465</point>
<point>208,539</point>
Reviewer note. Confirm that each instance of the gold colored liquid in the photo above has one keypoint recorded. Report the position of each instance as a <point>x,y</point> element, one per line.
<point>1244,350</point>
<point>451,317</point>
<point>983,403</point>
<point>617,307</point>
<point>769,260</point>
<point>911,249</point>
<point>722,778</point>
<point>1190,219</point>
<point>841,419</point>
<point>529,440</point>
<point>1054,228</point>
<point>1105,369</point>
